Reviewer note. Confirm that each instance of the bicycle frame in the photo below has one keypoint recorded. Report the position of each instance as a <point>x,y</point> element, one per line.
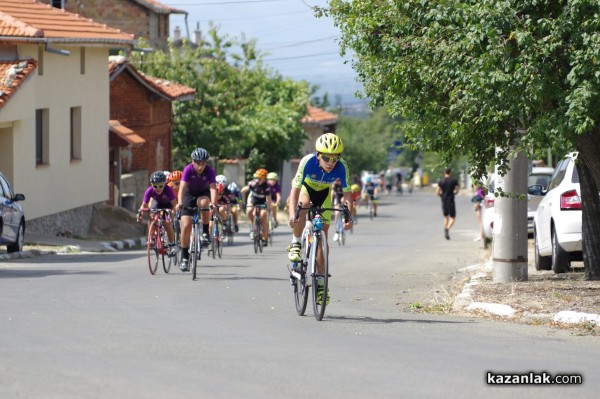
<point>257,227</point>
<point>313,239</point>
<point>195,249</point>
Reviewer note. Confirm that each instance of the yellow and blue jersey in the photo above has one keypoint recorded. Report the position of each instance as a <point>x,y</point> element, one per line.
<point>310,174</point>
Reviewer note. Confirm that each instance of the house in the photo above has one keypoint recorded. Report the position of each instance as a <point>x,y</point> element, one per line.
<point>142,18</point>
<point>54,112</point>
<point>143,104</point>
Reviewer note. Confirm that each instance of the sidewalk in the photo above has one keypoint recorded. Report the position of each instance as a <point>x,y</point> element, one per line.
<point>545,298</point>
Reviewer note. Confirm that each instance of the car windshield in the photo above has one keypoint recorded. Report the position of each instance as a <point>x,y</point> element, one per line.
<point>543,180</point>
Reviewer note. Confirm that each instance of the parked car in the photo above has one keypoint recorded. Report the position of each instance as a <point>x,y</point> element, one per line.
<point>539,176</point>
<point>557,222</point>
<point>12,217</point>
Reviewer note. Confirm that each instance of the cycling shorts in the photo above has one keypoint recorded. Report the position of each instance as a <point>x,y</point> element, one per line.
<point>191,200</point>
<point>319,198</point>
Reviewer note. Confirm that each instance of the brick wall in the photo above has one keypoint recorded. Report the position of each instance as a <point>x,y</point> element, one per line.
<point>126,15</point>
<point>149,116</point>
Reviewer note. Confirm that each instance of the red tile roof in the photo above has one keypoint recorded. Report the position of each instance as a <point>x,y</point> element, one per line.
<point>158,7</point>
<point>123,135</point>
<point>319,116</point>
<point>12,76</point>
<point>26,19</point>
<point>171,90</point>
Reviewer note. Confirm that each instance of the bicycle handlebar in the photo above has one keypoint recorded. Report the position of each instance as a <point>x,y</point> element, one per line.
<point>320,209</point>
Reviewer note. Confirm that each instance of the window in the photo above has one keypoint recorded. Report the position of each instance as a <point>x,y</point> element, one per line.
<point>82,61</point>
<point>75,133</point>
<point>42,136</point>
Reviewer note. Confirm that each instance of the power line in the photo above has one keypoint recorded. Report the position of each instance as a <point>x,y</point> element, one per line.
<point>302,43</point>
<point>224,3</point>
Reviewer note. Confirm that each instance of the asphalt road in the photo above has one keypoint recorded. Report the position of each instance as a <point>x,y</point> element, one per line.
<point>100,326</point>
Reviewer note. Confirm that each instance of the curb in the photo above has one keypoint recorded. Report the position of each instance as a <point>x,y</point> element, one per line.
<point>124,244</point>
<point>464,302</point>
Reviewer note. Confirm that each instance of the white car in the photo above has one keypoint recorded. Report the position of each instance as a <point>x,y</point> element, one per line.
<point>557,222</point>
<point>539,177</point>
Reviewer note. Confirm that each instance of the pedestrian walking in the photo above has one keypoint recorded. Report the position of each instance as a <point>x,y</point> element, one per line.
<point>447,188</point>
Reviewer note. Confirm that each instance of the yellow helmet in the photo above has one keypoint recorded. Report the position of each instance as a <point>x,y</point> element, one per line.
<point>329,143</point>
<point>355,188</point>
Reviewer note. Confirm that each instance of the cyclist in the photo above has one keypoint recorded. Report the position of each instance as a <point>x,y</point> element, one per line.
<point>337,195</point>
<point>197,189</point>
<point>223,196</point>
<point>235,197</point>
<point>370,193</point>
<point>272,179</point>
<point>174,180</point>
<point>312,184</point>
<point>160,196</point>
<point>260,194</point>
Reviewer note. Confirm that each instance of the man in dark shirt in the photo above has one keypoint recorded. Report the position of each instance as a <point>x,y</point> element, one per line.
<point>447,188</point>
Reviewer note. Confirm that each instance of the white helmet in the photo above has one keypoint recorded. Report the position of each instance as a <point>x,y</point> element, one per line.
<point>221,179</point>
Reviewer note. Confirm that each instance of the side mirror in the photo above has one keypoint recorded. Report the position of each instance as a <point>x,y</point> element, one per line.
<point>536,189</point>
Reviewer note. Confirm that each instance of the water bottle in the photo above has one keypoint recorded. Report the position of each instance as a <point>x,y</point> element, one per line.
<point>318,223</point>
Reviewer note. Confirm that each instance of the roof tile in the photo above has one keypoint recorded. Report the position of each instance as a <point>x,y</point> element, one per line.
<point>319,116</point>
<point>12,76</point>
<point>27,19</point>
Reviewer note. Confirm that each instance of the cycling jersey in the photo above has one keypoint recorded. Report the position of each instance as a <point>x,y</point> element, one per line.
<point>197,184</point>
<point>311,175</point>
<point>224,199</point>
<point>275,188</point>
<point>258,192</point>
<point>163,199</point>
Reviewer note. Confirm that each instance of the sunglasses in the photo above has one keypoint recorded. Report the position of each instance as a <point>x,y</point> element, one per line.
<point>329,159</point>
<point>158,186</point>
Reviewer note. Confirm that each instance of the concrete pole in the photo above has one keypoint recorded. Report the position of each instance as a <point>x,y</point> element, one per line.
<point>509,255</point>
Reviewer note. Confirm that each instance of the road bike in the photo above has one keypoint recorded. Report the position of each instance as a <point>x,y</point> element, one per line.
<point>157,243</point>
<point>216,246</point>
<point>196,248</point>
<point>313,241</point>
<point>257,228</point>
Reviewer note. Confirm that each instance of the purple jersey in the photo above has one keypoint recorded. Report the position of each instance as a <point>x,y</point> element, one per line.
<point>275,188</point>
<point>198,183</point>
<point>163,198</point>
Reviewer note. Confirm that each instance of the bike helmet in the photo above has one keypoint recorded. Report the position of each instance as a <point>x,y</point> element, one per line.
<point>175,175</point>
<point>368,179</point>
<point>233,187</point>
<point>355,188</point>
<point>220,188</point>
<point>261,174</point>
<point>158,177</point>
<point>200,154</point>
<point>272,176</point>
<point>221,179</point>
<point>329,143</point>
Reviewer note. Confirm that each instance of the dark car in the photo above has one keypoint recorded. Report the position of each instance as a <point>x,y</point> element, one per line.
<point>12,218</point>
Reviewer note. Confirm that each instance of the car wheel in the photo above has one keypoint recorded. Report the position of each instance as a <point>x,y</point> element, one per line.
<point>18,245</point>
<point>560,259</point>
<point>541,262</point>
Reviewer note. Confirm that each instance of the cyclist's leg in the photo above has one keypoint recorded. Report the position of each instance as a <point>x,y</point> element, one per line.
<point>294,248</point>
<point>263,222</point>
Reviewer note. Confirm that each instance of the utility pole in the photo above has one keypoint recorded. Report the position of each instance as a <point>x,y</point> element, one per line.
<point>509,255</point>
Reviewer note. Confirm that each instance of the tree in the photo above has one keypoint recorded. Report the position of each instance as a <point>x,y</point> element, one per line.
<point>241,107</point>
<point>474,75</point>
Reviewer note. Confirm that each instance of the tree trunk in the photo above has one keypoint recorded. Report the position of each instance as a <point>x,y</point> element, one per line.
<point>588,167</point>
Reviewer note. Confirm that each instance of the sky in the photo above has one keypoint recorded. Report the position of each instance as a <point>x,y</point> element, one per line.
<point>295,43</point>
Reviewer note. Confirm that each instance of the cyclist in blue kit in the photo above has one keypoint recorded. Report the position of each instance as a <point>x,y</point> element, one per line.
<point>312,183</point>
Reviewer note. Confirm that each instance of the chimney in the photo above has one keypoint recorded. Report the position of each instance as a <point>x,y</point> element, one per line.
<point>197,34</point>
<point>176,34</point>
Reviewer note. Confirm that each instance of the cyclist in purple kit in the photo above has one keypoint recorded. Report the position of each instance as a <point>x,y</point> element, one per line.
<point>197,189</point>
<point>160,196</point>
<point>272,180</point>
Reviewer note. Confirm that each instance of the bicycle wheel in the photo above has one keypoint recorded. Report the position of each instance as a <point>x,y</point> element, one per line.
<point>319,281</point>
<point>371,210</point>
<point>230,229</point>
<point>152,250</point>
<point>300,285</point>
<point>343,237</point>
<point>256,236</point>
<point>270,234</point>
<point>219,239</point>
<point>166,250</point>
<point>259,236</point>
<point>194,251</point>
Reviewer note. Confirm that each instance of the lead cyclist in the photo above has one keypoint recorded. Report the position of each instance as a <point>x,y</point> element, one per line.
<point>312,184</point>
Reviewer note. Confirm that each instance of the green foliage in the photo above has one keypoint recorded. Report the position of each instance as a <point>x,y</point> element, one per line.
<point>474,75</point>
<point>241,107</point>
